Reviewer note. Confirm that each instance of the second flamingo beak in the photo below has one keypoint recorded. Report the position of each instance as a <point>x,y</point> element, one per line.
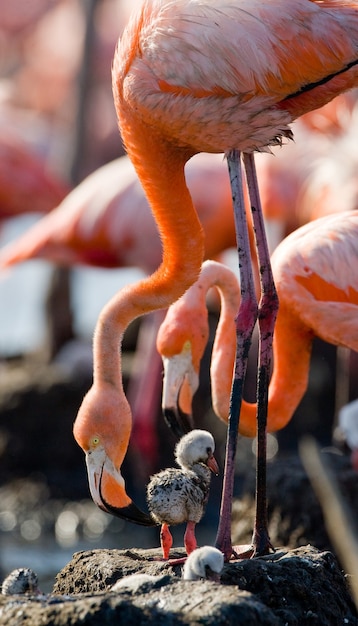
<point>108,491</point>
<point>180,382</point>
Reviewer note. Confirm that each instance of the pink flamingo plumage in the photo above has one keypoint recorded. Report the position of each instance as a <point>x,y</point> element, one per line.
<point>297,185</point>
<point>194,77</point>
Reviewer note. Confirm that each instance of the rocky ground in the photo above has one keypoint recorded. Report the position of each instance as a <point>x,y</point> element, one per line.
<point>298,587</point>
<point>43,481</point>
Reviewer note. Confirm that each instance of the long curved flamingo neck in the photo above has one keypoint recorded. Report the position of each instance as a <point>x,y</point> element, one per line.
<point>224,347</point>
<point>183,251</point>
<point>160,169</point>
<point>186,326</point>
<point>292,351</point>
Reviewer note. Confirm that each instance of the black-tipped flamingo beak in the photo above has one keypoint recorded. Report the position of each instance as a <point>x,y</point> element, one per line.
<point>130,512</point>
<point>180,382</point>
<point>179,422</point>
<point>108,490</point>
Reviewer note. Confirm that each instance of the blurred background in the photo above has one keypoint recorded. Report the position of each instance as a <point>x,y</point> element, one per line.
<point>58,125</point>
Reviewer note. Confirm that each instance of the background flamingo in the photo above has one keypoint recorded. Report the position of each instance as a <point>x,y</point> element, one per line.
<point>38,98</point>
<point>182,339</point>
<point>310,178</point>
<point>156,97</point>
<point>26,183</point>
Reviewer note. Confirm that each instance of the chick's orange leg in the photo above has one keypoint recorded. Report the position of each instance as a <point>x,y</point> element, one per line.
<point>189,537</point>
<point>166,540</point>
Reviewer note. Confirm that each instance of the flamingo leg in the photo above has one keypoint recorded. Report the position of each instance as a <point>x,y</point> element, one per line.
<point>245,323</point>
<point>268,307</point>
<point>189,537</point>
<point>166,540</point>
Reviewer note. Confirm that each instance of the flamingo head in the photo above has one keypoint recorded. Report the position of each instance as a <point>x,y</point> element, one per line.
<point>206,562</point>
<point>102,429</point>
<point>181,341</point>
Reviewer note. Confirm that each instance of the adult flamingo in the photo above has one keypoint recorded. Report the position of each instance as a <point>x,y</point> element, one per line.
<point>188,77</point>
<point>306,180</point>
<point>316,276</point>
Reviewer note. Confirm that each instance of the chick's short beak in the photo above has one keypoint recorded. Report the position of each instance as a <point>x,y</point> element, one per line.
<point>212,465</point>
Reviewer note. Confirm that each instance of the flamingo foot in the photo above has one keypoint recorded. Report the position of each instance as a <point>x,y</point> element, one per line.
<point>261,544</point>
<point>179,561</point>
<point>244,551</point>
<point>250,551</point>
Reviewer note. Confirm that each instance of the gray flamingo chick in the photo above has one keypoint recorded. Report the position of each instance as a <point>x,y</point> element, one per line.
<point>206,562</point>
<point>177,495</point>
<point>21,581</point>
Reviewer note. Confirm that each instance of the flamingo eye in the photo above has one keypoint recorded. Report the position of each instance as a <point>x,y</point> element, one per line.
<point>95,441</point>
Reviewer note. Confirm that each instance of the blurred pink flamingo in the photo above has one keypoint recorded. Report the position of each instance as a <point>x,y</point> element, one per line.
<point>26,183</point>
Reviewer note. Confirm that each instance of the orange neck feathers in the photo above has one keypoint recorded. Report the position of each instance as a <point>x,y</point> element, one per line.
<point>160,168</point>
